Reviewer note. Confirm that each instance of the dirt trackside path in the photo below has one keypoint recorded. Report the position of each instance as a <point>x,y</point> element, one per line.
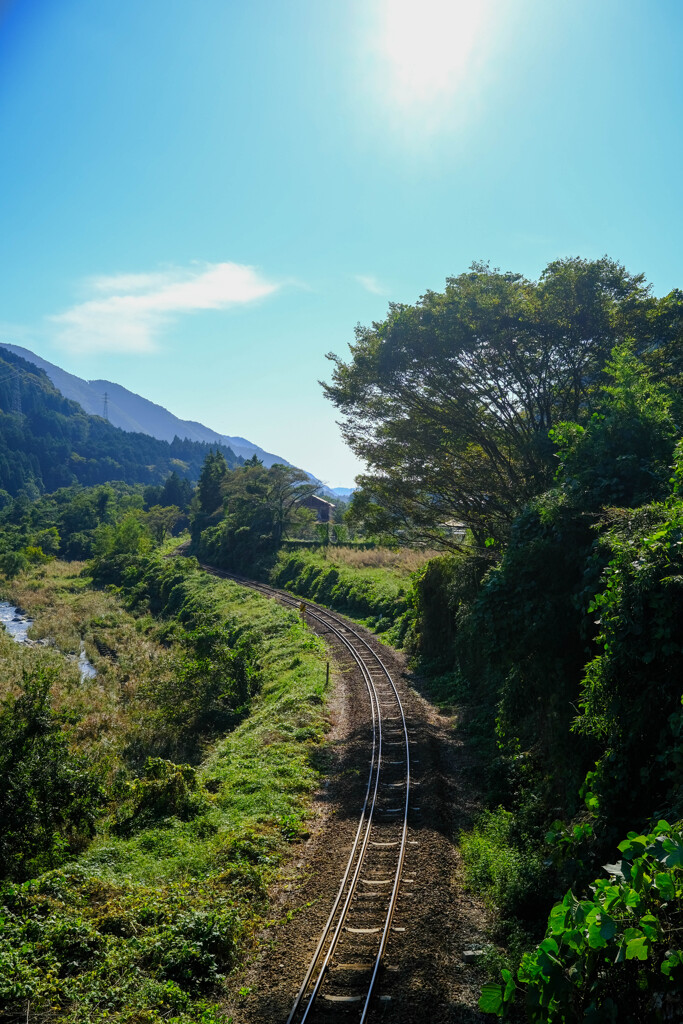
<point>425,975</point>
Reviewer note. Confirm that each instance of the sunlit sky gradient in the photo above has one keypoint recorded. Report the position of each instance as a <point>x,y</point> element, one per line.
<point>199,200</point>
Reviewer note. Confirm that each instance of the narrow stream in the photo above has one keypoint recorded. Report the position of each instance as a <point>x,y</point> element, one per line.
<point>17,625</point>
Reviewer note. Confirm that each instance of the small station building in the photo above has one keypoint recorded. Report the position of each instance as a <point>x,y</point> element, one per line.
<point>324,510</point>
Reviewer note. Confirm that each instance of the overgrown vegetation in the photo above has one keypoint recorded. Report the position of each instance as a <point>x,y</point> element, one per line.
<point>148,808</point>
<point>546,417</point>
<point>377,593</point>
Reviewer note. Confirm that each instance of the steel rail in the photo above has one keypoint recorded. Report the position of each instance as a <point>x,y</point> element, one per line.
<point>326,618</point>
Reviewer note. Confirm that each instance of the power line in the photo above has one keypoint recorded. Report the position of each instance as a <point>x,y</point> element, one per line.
<point>106,407</point>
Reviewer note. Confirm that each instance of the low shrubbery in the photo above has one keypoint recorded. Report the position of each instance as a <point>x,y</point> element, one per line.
<point>503,868</point>
<point>50,795</point>
<point>85,948</point>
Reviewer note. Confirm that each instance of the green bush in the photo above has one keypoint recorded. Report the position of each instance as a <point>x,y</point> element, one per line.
<point>615,956</point>
<point>50,797</point>
<point>506,872</point>
<point>166,790</point>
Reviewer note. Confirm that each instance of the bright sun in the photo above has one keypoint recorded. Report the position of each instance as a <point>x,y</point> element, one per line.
<point>428,45</point>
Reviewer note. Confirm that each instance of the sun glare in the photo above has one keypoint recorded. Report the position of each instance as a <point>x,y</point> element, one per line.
<point>428,46</point>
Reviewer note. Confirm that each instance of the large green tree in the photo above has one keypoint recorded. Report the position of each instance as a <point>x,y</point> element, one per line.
<point>450,401</point>
<point>259,507</point>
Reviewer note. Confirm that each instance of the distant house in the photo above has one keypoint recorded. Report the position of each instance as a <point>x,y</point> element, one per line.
<point>324,510</point>
<point>458,531</point>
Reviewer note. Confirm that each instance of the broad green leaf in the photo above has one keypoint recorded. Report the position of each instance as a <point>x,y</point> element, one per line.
<point>491,1000</point>
<point>631,898</point>
<point>637,948</point>
<point>633,847</point>
<point>650,926</point>
<point>674,853</point>
<point>595,937</point>
<point>573,939</point>
<point>558,919</point>
<point>665,885</point>
<point>614,869</point>
<point>509,985</point>
<point>672,959</point>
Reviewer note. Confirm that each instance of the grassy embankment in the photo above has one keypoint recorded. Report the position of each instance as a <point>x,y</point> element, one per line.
<point>143,924</point>
<point>374,586</point>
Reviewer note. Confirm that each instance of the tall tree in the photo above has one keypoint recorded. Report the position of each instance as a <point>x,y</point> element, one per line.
<point>450,401</point>
<point>260,506</point>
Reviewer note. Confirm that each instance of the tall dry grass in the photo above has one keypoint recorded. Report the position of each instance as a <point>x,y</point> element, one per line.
<point>110,711</point>
<point>403,561</point>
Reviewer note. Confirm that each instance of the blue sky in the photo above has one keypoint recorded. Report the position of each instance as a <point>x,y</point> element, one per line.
<point>199,200</point>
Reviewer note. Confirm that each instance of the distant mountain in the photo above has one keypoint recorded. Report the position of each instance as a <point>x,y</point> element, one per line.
<point>135,414</point>
<point>342,492</point>
<point>47,441</point>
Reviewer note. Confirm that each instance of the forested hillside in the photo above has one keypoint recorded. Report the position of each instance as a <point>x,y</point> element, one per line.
<point>47,441</point>
<point>136,414</point>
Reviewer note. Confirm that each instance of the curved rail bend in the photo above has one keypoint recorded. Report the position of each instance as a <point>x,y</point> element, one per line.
<point>378,848</point>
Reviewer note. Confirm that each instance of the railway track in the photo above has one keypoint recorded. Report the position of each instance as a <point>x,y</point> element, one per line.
<point>341,981</point>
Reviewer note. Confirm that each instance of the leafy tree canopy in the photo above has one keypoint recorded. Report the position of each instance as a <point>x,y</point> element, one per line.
<point>258,508</point>
<point>450,402</point>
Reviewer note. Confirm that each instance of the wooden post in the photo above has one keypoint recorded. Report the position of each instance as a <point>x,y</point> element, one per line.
<point>327,680</point>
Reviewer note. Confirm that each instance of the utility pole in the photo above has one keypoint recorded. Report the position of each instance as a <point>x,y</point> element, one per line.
<point>16,395</point>
<point>106,406</point>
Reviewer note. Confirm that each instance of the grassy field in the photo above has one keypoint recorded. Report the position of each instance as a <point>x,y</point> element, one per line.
<point>400,562</point>
<point>149,922</point>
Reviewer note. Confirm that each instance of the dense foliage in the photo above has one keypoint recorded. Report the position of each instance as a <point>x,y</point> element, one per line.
<point>546,416</point>
<point>616,955</point>
<point>240,518</point>
<point>378,597</point>
<point>450,402</point>
<point>50,796</point>
<point>144,811</point>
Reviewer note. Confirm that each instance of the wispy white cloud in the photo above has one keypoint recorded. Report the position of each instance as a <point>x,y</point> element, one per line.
<point>128,311</point>
<point>371,284</point>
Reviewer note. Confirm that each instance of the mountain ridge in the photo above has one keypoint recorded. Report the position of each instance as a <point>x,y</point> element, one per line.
<point>134,413</point>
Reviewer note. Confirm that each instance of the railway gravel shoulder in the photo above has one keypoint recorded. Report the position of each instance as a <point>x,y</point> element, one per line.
<point>425,974</point>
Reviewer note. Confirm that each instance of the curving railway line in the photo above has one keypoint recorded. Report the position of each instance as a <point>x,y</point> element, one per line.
<point>341,981</point>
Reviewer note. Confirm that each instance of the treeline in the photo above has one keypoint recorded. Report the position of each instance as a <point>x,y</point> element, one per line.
<point>47,442</point>
<point>240,517</point>
<point>546,417</point>
<point>75,523</point>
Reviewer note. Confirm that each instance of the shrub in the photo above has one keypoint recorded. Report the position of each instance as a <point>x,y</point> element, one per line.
<point>50,796</point>
<point>166,790</point>
<point>616,955</point>
<point>498,867</point>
